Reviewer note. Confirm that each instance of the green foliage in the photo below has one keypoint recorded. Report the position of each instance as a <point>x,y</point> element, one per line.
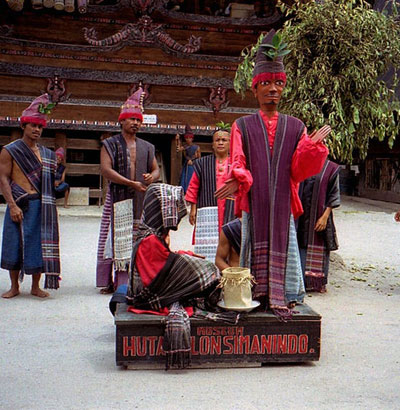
<point>46,109</point>
<point>276,49</point>
<point>341,49</point>
<point>223,126</point>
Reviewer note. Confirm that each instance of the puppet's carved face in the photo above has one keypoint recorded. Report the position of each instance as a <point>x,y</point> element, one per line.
<point>268,93</point>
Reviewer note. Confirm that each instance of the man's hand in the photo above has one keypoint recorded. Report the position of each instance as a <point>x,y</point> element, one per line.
<point>321,134</point>
<point>148,179</point>
<point>321,224</point>
<point>138,186</point>
<point>397,216</point>
<point>192,216</point>
<point>16,214</point>
<point>228,189</point>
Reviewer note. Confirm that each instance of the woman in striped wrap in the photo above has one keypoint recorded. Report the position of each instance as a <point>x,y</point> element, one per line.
<point>160,278</point>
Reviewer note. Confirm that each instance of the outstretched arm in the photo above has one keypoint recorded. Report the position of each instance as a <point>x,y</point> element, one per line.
<point>310,155</point>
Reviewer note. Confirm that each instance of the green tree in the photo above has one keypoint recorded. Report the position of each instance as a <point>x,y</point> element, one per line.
<point>340,51</point>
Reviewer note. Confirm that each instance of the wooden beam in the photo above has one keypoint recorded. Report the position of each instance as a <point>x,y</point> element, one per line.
<point>80,143</point>
<point>176,163</point>
<point>205,147</point>
<point>82,169</point>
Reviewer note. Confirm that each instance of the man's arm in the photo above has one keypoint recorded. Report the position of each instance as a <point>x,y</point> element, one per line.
<point>154,173</point>
<point>240,178</point>
<point>223,250</point>
<point>109,173</point>
<point>5,174</point>
<point>320,225</point>
<point>193,212</point>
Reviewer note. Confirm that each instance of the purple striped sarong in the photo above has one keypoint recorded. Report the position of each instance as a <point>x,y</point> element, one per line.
<point>316,248</point>
<point>269,200</point>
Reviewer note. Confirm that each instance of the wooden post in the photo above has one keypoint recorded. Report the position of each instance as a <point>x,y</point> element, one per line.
<point>176,163</point>
<point>103,181</point>
<point>61,141</point>
<point>16,134</point>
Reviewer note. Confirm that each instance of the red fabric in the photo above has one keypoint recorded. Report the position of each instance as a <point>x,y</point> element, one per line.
<point>221,177</point>
<point>268,77</point>
<point>125,115</point>
<point>307,161</point>
<point>162,312</point>
<point>33,120</point>
<point>181,252</point>
<point>151,257</point>
<point>193,189</point>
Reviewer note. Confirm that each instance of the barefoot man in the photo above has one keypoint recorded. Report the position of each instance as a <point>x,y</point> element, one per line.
<point>30,232</point>
<point>129,163</point>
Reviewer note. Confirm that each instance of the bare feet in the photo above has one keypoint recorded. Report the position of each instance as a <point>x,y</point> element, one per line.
<point>10,294</point>
<point>106,291</point>
<point>39,293</point>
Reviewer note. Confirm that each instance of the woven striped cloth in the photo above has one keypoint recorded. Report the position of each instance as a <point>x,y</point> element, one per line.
<point>176,343</point>
<point>207,234</point>
<point>104,263</point>
<point>123,233</point>
<point>181,279</point>
<point>42,176</point>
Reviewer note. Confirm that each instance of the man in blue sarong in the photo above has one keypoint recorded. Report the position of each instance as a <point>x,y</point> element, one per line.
<point>30,231</point>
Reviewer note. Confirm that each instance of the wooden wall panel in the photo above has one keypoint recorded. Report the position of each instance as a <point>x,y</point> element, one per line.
<point>45,27</point>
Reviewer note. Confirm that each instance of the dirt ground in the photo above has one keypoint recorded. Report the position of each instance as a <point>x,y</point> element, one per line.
<point>59,353</point>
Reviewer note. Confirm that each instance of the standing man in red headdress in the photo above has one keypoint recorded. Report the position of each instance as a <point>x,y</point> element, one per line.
<point>30,230</point>
<point>271,154</point>
<point>129,163</point>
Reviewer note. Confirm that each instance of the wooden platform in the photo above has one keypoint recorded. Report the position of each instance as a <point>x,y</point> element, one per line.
<point>258,338</point>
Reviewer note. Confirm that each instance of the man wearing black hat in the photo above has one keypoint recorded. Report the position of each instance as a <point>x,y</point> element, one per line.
<point>271,154</point>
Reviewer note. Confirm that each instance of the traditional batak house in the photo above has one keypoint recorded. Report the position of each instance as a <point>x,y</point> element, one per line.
<point>89,55</point>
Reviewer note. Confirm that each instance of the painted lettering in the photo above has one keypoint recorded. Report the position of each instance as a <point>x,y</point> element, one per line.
<point>303,344</point>
<point>266,344</point>
<point>292,342</point>
<point>193,346</point>
<point>152,344</point>
<point>255,345</point>
<point>282,344</point>
<point>227,341</point>
<point>128,350</point>
<point>141,348</point>
<point>215,345</point>
<point>160,350</point>
<point>244,341</point>
<point>204,345</point>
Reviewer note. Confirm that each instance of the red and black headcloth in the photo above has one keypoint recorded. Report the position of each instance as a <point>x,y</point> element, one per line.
<point>266,68</point>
